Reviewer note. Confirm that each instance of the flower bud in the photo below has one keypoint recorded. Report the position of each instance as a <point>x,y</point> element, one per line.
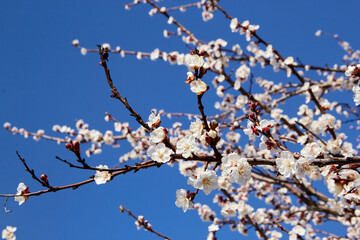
<point>69,146</point>
<point>44,178</point>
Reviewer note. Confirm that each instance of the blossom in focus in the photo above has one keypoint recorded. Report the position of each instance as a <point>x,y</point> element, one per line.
<point>270,144</point>
<point>159,153</point>
<point>198,87</point>
<point>311,150</point>
<point>286,164</point>
<point>22,189</point>
<point>251,131</point>
<point>154,120</point>
<point>8,233</point>
<point>183,201</point>
<point>194,61</point>
<point>186,146</point>
<point>197,127</point>
<point>158,135</point>
<point>238,169</point>
<point>206,181</point>
<point>101,177</point>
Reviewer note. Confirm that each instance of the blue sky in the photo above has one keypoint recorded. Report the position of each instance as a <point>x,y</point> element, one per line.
<point>46,81</point>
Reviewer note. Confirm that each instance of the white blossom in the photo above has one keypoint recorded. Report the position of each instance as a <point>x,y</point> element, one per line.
<point>8,233</point>
<point>197,127</point>
<point>159,153</point>
<point>21,189</point>
<point>286,164</point>
<point>356,90</point>
<point>158,135</point>
<point>234,25</point>
<point>101,177</point>
<point>206,181</point>
<point>198,87</point>
<point>194,61</point>
<point>182,200</point>
<point>186,145</point>
<point>238,169</point>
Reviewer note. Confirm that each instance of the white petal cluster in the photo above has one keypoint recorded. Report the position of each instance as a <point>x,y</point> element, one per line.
<point>356,90</point>
<point>8,233</point>
<point>237,169</point>
<point>21,189</point>
<point>101,177</point>
<point>159,153</point>
<point>206,181</point>
<point>154,119</point>
<point>199,87</point>
<point>182,200</point>
<point>205,212</point>
<point>197,127</point>
<point>185,146</point>
<point>158,135</point>
<point>234,25</point>
<point>194,61</point>
<point>286,164</point>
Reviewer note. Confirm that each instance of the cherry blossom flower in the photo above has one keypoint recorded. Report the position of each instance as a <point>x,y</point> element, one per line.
<point>311,150</point>
<point>183,201</point>
<point>186,146</point>
<point>159,153</point>
<point>106,46</point>
<point>194,61</point>
<point>21,189</point>
<point>234,25</point>
<point>289,61</point>
<point>297,230</point>
<point>8,233</point>
<point>206,214</point>
<point>108,137</point>
<point>350,70</point>
<point>286,164</point>
<point>270,144</point>
<point>266,126</point>
<point>238,169</point>
<point>190,77</point>
<point>101,177</point>
<point>356,90</point>
<point>251,131</point>
<point>206,181</point>
<point>198,87</point>
<point>75,42</point>
<point>213,227</point>
<point>229,209</point>
<point>154,119</point>
<point>303,166</point>
<point>158,135</point>
<point>242,72</point>
<point>197,127</point>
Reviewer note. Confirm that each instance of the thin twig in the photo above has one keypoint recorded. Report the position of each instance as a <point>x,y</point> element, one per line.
<point>143,223</point>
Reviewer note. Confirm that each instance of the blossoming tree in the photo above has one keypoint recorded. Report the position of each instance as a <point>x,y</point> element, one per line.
<point>297,159</point>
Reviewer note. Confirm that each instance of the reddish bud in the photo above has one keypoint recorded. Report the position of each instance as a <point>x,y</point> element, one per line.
<point>76,146</point>
<point>100,63</point>
<point>69,146</point>
<point>44,178</point>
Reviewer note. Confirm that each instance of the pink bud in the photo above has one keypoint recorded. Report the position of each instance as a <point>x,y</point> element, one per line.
<point>69,146</point>
<point>44,178</point>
